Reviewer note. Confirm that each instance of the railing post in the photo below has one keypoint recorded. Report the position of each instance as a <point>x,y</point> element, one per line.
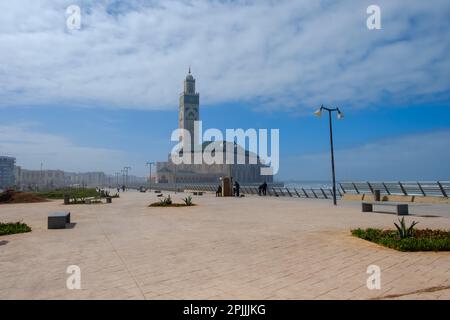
<point>402,188</point>
<point>331,192</point>
<point>297,193</point>
<point>315,195</point>
<point>276,194</point>
<point>421,189</point>
<point>386,188</point>
<point>343,190</point>
<point>290,195</point>
<point>442,189</point>
<point>370,187</point>
<point>324,194</point>
<point>356,189</point>
<point>306,195</point>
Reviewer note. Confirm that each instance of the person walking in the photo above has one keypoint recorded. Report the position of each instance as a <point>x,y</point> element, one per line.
<point>264,189</point>
<point>236,188</point>
<point>219,191</point>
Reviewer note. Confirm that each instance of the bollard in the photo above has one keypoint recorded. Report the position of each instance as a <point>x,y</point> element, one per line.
<point>376,195</point>
<point>66,199</point>
<point>108,200</point>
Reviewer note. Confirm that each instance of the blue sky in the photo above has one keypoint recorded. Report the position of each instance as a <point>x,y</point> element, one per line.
<point>106,96</point>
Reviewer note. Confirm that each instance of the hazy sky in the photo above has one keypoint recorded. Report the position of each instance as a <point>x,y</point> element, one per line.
<point>106,96</point>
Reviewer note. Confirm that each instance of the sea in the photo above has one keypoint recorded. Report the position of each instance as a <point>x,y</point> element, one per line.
<point>309,184</point>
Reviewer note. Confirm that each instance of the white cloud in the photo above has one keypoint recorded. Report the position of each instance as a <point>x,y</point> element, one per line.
<point>31,147</point>
<point>284,54</point>
<point>424,156</point>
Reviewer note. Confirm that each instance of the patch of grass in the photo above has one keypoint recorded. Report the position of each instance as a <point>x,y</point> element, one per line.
<point>13,227</point>
<point>72,192</point>
<point>417,240</point>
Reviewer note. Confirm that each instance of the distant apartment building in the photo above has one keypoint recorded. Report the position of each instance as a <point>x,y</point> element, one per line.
<point>7,178</point>
<point>40,179</point>
<point>15,176</point>
<point>86,179</point>
<point>135,181</point>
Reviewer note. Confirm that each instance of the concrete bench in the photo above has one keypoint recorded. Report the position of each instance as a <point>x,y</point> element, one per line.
<point>58,220</point>
<point>401,208</point>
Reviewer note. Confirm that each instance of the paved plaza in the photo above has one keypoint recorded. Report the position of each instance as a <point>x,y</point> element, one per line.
<point>224,248</point>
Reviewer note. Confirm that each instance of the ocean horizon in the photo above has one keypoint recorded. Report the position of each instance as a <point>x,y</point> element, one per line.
<point>308,184</point>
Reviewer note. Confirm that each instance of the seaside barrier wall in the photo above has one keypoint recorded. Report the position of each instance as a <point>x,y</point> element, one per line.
<point>397,198</point>
<point>418,192</point>
<point>273,190</point>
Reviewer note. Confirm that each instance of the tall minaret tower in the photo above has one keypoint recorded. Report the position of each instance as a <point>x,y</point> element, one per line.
<point>189,108</point>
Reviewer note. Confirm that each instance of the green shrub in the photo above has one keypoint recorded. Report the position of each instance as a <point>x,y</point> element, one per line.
<point>188,201</point>
<point>418,240</point>
<point>13,227</point>
<point>403,231</point>
<point>167,202</point>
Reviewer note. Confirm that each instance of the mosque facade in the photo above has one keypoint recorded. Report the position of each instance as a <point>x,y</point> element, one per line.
<point>169,172</point>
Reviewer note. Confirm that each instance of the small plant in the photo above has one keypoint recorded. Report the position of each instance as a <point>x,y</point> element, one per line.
<point>403,231</point>
<point>167,201</point>
<point>13,227</point>
<point>188,201</point>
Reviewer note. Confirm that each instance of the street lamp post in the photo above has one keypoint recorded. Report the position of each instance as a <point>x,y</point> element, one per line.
<point>340,116</point>
<point>117,178</point>
<point>149,164</point>
<point>176,183</point>
<point>125,170</point>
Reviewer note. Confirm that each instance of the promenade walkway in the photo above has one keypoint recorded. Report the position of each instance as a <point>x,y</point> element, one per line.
<point>224,248</point>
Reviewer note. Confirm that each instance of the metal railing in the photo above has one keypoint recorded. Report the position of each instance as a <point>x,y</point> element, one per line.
<point>312,193</point>
<point>407,188</point>
<point>422,188</point>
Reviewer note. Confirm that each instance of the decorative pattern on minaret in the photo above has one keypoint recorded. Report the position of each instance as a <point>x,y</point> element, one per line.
<point>189,108</point>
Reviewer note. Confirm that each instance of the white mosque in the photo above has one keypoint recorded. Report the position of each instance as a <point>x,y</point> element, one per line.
<point>169,172</point>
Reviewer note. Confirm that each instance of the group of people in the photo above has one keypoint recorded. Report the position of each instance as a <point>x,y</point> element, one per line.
<point>121,187</point>
<point>262,189</point>
<point>236,190</point>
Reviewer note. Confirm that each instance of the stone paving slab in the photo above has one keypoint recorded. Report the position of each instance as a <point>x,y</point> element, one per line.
<point>224,248</point>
